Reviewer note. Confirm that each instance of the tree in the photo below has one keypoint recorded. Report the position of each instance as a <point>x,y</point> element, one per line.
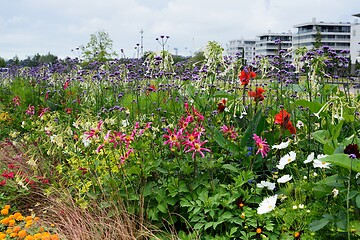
<point>317,44</point>
<point>99,48</point>
<point>2,62</point>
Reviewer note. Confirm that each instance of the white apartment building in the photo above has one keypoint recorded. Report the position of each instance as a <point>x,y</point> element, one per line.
<point>355,40</point>
<point>269,44</point>
<point>244,47</point>
<point>334,35</point>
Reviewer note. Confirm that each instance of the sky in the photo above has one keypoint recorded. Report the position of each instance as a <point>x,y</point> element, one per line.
<point>28,27</point>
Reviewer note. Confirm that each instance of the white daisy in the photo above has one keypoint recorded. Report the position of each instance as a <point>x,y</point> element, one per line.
<point>288,158</point>
<point>310,158</point>
<point>284,178</point>
<point>267,205</point>
<point>281,145</point>
<point>268,185</point>
<point>320,164</point>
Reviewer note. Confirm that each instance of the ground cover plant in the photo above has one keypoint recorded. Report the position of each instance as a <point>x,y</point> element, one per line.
<point>216,149</point>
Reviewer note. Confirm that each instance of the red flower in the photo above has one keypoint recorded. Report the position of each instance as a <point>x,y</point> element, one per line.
<point>245,76</point>
<point>3,183</point>
<point>222,105</point>
<point>283,119</point>
<point>257,94</point>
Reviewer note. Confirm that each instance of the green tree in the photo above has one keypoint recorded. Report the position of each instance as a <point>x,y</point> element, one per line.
<point>99,48</point>
<point>2,62</point>
<point>317,44</point>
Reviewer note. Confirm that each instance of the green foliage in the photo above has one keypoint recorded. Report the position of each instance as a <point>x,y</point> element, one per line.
<point>99,48</point>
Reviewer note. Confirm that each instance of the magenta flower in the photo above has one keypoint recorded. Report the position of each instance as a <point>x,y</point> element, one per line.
<point>106,140</point>
<point>126,156</point>
<point>30,110</point>
<point>117,138</point>
<point>191,138</point>
<point>229,131</point>
<point>16,101</point>
<point>173,138</point>
<point>262,145</point>
<point>94,131</point>
<point>196,147</point>
<point>43,111</point>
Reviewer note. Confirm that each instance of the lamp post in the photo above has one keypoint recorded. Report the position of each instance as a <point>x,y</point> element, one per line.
<point>142,42</point>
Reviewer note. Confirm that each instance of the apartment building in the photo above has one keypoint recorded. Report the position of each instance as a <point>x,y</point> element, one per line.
<point>355,40</point>
<point>269,44</point>
<point>336,35</point>
<point>243,47</point>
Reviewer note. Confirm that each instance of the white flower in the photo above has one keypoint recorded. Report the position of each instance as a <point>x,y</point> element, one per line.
<point>335,192</point>
<point>357,175</point>
<point>288,158</point>
<point>295,207</point>
<point>320,156</point>
<point>85,141</point>
<point>268,185</point>
<point>299,124</point>
<point>304,177</point>
<point>310,158</point>
<point>267,205</point>
<point>301,206</point>
<point>284,178</point>
<point>281,145</point>
<point>320,164</point>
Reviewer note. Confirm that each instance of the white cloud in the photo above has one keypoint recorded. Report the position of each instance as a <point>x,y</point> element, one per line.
<point>66,24</point>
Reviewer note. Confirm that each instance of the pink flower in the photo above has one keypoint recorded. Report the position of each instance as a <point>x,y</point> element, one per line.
<point>3,182</point>
<point>262,145</point>
<point>191,138</point>
<point>199,116</point>
<point>94,131</point>
<point>126,156</point>
<point>117,138</point>
<point>173,138</point>
<point>106,140</point>
<point>229,131</point>
<point>196,147</point>
<point>16,101</point>
<point>30,110</point>
<point>44,110</point>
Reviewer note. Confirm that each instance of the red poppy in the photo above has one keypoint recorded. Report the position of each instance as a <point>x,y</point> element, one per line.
<point>257,94</point>
<point>245,76</point>
<point>283,118</point>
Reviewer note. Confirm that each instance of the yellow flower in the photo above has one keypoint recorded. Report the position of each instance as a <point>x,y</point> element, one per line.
<point>13,234</point>
<point>9,230</point>
<point>4,116</point>
<point>5,221</point>
<point>2,236</point>
<point>29,237</point>
<point>7,206</point>
<point>28,218</point>
<point>11,223</point>
<point>4,211</point>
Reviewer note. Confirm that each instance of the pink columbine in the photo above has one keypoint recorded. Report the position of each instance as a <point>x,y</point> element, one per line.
<point>196,147</point>
<point>173,138</point>
<point>262,145</point>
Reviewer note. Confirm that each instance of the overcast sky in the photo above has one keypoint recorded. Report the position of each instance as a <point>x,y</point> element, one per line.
<point>28,27</point>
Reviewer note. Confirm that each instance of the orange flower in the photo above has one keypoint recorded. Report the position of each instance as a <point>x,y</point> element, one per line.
<point>245,76</point>
<point>4,211</point>
<point>16,229</point>
<point>283,119</point>
<point>22,234</point>
<point>7,207</point>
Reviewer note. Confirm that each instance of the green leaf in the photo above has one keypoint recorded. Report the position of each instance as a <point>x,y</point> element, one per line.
<point>322,136</point>
<point>313,106</point>
<point>225,143</point>
<point>343,160</point>
<point>162,207</point>
<point>208,224</point>
<point>230,167</point>
<point>223,94</point>
<point>357,200</point>
<point>318,224</point>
